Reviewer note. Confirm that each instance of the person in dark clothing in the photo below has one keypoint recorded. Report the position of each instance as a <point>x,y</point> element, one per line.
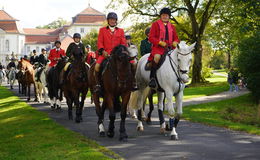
<point>11,64</point>
<point>33,58</point>
<point>146,46</point>
<point>42,59</point>
<point>76,48</point>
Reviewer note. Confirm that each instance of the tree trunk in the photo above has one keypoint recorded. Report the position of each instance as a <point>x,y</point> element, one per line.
<point>229,59</point>
<point>197,65</point>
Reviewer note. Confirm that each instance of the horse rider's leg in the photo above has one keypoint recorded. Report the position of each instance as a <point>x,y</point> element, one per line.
<point>178,98</point>
<point>133,70</point>
<point>155,62</point>
<point>112,116</point>
<point>160,112</point>
<point>125,98</point>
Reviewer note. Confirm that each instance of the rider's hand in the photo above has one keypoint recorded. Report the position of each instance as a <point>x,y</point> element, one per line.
<point>104,53</point>
<point>174,44</point>
<point>163,44</point>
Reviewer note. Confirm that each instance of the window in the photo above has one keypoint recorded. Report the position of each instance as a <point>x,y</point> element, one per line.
<point>81,30</point>
<point>37,49</point>
<point>28,49</point>
<point>7,47</point>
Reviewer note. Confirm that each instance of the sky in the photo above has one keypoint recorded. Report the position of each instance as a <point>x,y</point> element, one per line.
<point>32,13</point>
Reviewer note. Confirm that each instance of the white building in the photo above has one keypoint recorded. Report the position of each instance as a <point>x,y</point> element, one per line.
<point>14,39</point>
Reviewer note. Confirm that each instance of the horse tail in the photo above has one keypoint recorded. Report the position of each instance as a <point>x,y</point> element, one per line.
<point>135,97</point>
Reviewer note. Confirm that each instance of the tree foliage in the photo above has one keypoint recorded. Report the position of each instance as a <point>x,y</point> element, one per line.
<point>91,39</point>
<point>197,12</point>
<point>55,24</point>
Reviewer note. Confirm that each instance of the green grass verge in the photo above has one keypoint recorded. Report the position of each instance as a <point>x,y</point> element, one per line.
<point>26,133</point>
<point>237,114</point>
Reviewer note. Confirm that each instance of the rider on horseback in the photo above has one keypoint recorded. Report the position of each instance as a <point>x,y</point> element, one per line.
<point>75,50</point>
<point>146,46</point>
<point>162,36</point>
<point>108,38</point>
<point>55,54</point>
<point>41,63</point>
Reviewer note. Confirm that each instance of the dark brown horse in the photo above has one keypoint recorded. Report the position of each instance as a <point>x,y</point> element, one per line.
<point>76,85</point>
<point>28,70</point>
<point>53,83</point>
<point>117,80</point>
<point>20,76</point>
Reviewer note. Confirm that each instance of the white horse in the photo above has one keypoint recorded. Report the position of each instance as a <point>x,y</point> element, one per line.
<point>41,84</point>
<point>11,77</point>
<point>2,76</point>
<point>171,76</point>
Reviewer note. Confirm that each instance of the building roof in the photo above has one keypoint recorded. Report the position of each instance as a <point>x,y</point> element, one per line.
<point>40,39</point>
<point>90,11</point>
<point>89,15</point>
<point>65,42</point>
<point>9,26</point>
<point>6,17</point>
<point>36,31</point>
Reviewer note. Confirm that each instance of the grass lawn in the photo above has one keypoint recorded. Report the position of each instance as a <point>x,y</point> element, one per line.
<point>26,133</point>
<point>237,114</point>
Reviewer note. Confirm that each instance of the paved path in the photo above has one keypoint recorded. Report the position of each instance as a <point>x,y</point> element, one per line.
<point>196,141</point>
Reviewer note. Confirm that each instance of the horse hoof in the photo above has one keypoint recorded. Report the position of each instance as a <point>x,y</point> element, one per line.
<point>174,137</point>
<point>102,134</point>
<point>70,117</point>
<point>148,121</point>
<point>77,120</point>
<point>110,134</point>
<point>162,130</point>
<point>58,107</point>
<point>123,139</point>
<point>168,128</point>
<point>28,99</point>
<point>141,129</point>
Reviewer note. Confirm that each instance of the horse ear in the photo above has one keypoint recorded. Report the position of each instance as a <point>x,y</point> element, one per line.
<point>191,47</point>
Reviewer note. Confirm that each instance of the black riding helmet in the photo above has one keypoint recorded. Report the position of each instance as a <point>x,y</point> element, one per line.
<point>165,11</point>
<point>111,15</point>
<point>127,37</point>
<point>57,42</point>
<point>147,31</point>
<point>77,35</point>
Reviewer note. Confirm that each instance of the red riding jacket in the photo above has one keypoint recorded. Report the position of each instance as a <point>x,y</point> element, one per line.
<point>108,40</point>
<point>55,55</point>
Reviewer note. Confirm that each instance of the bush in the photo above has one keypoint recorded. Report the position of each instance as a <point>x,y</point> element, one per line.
<point>248,63</point>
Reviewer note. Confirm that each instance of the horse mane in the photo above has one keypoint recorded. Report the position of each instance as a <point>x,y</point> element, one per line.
<point>118,50</point>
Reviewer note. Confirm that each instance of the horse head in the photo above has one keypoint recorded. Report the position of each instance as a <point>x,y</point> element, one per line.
<point>61,62</point>
<point>121,59</point>
<point>133,51</point>
<point>184,59</point>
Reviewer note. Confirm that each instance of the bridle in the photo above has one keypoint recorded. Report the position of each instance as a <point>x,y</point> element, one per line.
<point>179,70</point>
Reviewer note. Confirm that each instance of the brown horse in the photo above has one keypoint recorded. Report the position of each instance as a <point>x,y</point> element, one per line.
<point>29,79</point>
<point>117,81</point>
<point>76,84</point>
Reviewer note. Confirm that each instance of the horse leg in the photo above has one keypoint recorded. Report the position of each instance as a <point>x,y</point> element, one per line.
<point>76,102</point>
<point>35,93</point>
<point>160,112</point>
<point>69,103</point>
<point>59,99</point>
<point>151,107</point>
<point>100,114</point>
<point>112,116</point>
<point>178,98</point>
<point>28,93</point>
<point>140,101</point>
<point>123,136</point>
<point>83,97</point>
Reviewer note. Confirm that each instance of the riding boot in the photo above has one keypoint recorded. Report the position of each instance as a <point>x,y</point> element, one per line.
<point>97,88</point>
<point>153,83</point>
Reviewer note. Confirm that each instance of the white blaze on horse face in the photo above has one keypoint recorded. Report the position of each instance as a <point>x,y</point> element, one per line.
<point>133,51</point>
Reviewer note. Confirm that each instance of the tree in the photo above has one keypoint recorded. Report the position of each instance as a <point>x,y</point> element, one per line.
<point>55,24</point>
<point>91,39</point>
<point>198,12</point>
